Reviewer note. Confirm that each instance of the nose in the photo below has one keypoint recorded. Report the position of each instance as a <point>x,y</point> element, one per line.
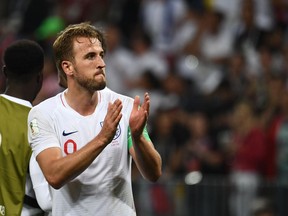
<point>100,62</point>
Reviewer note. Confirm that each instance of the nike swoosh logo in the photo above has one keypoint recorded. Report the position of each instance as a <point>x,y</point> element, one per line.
<point>69,133</point>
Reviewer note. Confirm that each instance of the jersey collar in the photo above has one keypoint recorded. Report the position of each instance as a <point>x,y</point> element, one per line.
<point>17,100</point>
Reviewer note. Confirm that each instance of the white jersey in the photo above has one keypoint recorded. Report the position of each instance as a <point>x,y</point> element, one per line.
<point>104,188</point>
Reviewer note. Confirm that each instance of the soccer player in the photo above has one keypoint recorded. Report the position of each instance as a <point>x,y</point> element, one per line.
<point>85,138</point>
<point>23,64</point>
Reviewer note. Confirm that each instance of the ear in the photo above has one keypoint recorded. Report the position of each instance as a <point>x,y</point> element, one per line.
<point>67,67</point>
<point>40,77</point>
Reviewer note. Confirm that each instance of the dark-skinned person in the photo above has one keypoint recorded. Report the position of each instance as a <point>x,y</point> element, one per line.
<point>23,62</point>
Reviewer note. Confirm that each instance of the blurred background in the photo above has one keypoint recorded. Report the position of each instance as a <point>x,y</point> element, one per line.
<point>217,73</point>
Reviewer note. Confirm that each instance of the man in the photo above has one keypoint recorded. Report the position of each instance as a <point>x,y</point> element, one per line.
<point>23,64</point>
<point>84,138</point>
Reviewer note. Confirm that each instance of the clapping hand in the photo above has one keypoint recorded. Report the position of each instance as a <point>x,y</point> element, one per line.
<point>139,115</point>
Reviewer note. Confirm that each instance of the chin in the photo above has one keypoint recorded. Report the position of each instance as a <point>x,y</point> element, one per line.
<point>99,86</point>
<point>102,85</point>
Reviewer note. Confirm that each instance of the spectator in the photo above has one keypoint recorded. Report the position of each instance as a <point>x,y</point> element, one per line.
<point>206,54</point>
<point>145,58</point>
<point>200,152</point>
<point>117,58</point>
<point>248,35</point>
<point>247,151</point>
<point>278,151</point>
<point>160,20</point>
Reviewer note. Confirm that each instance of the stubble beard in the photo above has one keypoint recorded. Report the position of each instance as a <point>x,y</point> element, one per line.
<point>91,84</point>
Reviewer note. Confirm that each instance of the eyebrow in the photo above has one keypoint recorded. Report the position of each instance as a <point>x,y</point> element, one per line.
<point>89,54</point>
<point>101,53</point>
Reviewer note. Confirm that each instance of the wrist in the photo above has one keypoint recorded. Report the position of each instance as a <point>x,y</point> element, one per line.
<point>138,138</point>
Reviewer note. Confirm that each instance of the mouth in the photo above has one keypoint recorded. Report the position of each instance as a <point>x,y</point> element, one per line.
<point>100,73</point>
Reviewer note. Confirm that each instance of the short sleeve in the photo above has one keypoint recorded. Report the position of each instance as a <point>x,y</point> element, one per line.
<point>40,131</point>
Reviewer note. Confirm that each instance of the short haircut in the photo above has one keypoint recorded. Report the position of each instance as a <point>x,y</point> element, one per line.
<point>63,45</point>
<point>22,59</point>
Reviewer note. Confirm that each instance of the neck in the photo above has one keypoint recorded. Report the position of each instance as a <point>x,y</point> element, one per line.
<point>82,102</point>
<point>21,92</point>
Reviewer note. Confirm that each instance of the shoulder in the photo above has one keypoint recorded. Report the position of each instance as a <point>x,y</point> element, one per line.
<point>110,95</point>
<point>47,106</point>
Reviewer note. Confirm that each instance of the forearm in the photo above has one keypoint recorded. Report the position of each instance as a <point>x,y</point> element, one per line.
<point>147,159</point>
<point>59,170</point>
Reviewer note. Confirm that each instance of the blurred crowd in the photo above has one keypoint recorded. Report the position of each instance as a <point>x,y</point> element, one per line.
<point>217,72</point>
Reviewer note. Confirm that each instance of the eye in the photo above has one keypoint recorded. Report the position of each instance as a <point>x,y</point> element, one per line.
<point>91,56</point>
<point>102,55</point>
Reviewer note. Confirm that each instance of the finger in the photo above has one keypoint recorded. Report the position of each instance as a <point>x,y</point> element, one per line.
<point>114,109</point>
<point>118,118</point>
<point>117,102</point>
<point>146,104</point>
<point>117,109</point>
<point>136,103</point>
